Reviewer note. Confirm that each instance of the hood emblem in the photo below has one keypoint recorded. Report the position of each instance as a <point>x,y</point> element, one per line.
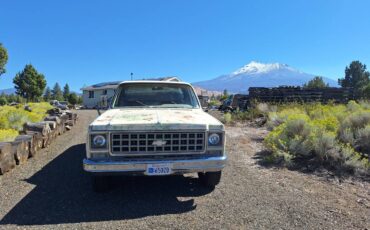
<point>159,143</point>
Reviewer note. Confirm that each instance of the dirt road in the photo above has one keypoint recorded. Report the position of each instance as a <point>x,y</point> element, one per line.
<point>52,191</point>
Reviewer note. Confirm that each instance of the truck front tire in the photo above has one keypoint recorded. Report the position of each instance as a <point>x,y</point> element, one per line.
<point>210,179</point>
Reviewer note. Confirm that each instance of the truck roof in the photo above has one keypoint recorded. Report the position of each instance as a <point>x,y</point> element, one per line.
<point>154,82</point>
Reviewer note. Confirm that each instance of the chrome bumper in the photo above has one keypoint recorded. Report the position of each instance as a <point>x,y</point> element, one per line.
<point>210,164</point>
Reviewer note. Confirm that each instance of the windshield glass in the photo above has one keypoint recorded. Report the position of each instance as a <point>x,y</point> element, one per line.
<point>156,95</point>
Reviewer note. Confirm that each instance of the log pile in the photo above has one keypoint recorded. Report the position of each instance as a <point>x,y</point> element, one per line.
<point>34,137</point>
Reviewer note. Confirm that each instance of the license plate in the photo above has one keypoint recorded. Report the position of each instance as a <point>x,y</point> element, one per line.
<point>158,169</point>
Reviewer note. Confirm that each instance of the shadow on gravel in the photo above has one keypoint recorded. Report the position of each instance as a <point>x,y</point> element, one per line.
<point>63,194</point>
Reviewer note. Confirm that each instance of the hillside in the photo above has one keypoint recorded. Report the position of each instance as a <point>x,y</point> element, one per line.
<point>7,91</point>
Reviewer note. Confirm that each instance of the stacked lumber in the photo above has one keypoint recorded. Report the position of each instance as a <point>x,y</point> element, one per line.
<point>34,137</point>
<point>299,94</point>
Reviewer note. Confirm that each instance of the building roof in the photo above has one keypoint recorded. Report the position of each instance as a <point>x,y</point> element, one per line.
<point>114,84</point>
<point>103,85</point>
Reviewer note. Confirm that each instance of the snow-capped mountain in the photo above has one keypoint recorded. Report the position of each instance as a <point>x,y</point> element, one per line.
<point>7,91</point>
<point>257,74</point>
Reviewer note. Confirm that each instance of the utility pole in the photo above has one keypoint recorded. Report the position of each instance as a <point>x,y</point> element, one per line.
<point>132,74</point>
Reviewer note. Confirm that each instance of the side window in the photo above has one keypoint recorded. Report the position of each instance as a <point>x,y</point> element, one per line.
<point>105,92</point>
<point>91,94</point>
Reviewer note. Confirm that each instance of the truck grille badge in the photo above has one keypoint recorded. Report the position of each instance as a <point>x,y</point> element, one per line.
<point>159,143</point>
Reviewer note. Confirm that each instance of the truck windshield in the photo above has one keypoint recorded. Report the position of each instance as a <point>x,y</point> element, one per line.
<point>156,95</point>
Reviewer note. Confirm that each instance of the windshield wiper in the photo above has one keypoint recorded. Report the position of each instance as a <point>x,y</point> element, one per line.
<point>139,102</point>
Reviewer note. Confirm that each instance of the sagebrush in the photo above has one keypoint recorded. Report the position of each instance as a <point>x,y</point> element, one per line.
<point>12,118</point>
<point>337,136</point>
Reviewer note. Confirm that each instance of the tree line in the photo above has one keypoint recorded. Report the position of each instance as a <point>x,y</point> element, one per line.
<point>30,85</point>
<point>356,76</point>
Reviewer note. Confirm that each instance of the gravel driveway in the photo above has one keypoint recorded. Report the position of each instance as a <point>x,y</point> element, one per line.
<point>51,191</point>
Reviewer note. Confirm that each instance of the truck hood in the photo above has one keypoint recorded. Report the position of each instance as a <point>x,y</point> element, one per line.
<point>155,119</point>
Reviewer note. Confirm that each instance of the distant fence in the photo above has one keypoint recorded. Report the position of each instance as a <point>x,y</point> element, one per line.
<point>299,94</point>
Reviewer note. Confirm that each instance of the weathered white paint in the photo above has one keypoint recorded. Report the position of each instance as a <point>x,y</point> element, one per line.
<point>156,119</point>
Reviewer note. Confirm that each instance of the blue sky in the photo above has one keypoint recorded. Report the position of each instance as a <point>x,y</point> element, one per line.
<point>86,42</point>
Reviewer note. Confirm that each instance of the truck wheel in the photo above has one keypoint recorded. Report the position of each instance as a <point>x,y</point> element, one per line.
<point>210,179</point>
<point>100,183</point>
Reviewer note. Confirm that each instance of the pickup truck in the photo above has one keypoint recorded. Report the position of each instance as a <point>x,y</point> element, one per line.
<point>155,128</point>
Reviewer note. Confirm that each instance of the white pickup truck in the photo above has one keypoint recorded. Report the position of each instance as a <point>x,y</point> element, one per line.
<point>155,128</point>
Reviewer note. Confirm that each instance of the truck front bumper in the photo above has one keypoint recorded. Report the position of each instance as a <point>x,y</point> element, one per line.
<point>210,164</point>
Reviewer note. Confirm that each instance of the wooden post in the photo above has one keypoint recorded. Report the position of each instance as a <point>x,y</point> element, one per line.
<point>40,127</point>
<point>64,118</point>
<point>37,140</point>
<point>20,151</point>
<point>7,161</point>
<point>53,118</point>
<point>30,147</point>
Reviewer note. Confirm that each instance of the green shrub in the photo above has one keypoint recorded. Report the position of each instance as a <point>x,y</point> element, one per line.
<point>362,141</point>
<point>356,121</point>
<point>352,106</point>
<point>3,100</point>
<point>334,135</point>
<point>346,136</point>
<point>292,137</point>
<point>263,108</point>
<point>8,134</point>
<point>13,117</point>
<point>354,162</point>
<point>277,118</point>
<point>227,118</point>
<point>324,146</point>
<point>16,120</point>
<point>365,104</point>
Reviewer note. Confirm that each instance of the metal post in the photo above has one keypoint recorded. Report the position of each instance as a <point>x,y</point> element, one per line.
<point>132,74</point>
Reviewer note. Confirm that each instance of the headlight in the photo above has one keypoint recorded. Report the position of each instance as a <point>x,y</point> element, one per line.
<point>214,139</point>
<point>98,141</point>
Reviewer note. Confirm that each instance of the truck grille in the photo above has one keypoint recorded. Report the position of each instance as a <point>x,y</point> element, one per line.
<point>166,142</point>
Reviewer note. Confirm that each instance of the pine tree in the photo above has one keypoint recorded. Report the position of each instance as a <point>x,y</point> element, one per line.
<point>3,99</point>
<point>47,94</point>
<point>356,76</point>
<point>66,92</point>
<point>29,83</point>
<point>316,83</point>
<point>3,58</point>
<point>57,93</point>
<point>73,98</point>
